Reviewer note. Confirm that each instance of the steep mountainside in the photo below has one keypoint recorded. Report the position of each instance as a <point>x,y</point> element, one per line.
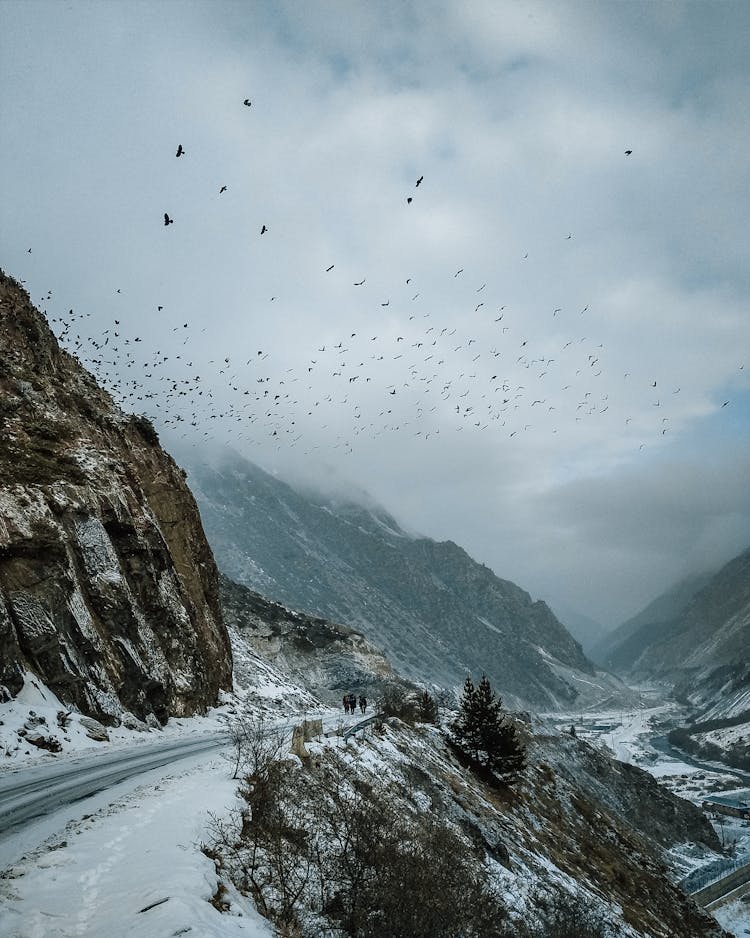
<point>622,646</point>
<point>579,831</point>
<point>711,631</point>
<point>108,588</point>
<point>327,659</point>
<point>433,610</point>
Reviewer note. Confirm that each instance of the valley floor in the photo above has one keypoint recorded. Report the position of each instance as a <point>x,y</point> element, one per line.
<point>631,736</point>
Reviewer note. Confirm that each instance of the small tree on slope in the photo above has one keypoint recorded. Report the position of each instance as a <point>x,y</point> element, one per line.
<point>483,732</point>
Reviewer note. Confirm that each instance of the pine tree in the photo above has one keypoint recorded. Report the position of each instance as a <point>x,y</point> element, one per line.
<point>465,729</point>
<point>427,708</point>
<point>482,730</point>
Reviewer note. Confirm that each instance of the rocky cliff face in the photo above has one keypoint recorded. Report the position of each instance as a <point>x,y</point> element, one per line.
<point>434,611</point>
<point>327,659</point>
<point>108,588</point>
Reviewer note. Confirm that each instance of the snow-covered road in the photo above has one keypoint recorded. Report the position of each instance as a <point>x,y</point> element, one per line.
<point>31,792</point>
<point>134,867</point>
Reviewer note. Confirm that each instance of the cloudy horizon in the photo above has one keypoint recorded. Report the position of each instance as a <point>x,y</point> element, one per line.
<point>543,356</point>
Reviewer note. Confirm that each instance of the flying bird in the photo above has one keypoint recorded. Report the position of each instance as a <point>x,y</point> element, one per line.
<point>628,152</point>
<point>329,269</point>
<point>408,201</point>
<point>180,151</point>
<point>263,230</point>
<point>420,180</point>
<point>167,221</point>
<point>247,102</point>
<point>360,282</point>
<point>223,189</point>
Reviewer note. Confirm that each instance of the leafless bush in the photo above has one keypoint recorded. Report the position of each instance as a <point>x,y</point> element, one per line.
<point>397,701</point>
<point>566,916</point>
<point>256,745</point>
<point>321,847</point>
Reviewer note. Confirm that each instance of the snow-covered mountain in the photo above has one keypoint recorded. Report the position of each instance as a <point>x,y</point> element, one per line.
<point>585,630</point>
<point>621,647</point>
<point>701,641</point>
<point>329,660</point>
<point>434,611</point>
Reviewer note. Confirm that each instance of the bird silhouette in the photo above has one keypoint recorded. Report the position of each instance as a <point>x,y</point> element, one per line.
<point>223,189</point>
<point>409,200</point>
<point>263,230</point>
<point>329,269</point>
<point>167,220</point>
<point>420,180</point>
<point>628,152</point>
<point>180,151</point>
<point>360,282</point>
<point>247,102</point>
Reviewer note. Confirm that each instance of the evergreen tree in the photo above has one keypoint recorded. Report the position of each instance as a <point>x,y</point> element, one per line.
<point>482,730</point>
<point>427,708</point>
<point>465,729</point>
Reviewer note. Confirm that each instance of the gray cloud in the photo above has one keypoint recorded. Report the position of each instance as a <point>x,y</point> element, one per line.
<point>589,484</point>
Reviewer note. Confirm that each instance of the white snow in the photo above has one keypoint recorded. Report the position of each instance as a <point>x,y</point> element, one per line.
<point>38,701</point>
<point>98,876</point>
<point>735,916</point>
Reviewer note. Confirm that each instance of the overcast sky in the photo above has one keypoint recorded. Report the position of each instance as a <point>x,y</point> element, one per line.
<point>573,407</point>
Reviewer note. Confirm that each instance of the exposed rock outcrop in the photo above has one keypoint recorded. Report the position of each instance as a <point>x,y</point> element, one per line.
<point>108,588</point>
<point>325,658</point>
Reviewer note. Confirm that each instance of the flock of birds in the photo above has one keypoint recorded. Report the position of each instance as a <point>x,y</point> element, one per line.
<point>411,372</point>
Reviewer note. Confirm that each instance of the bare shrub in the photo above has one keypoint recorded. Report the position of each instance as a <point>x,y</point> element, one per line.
<point>566,916</point>
<point>397,701</point>
<point>256,745</point>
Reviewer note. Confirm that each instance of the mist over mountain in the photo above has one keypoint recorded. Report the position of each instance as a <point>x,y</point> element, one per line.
<point>695,636</point>
<point>435,612</point>
<point>585,630</point>
<point>620,648</point>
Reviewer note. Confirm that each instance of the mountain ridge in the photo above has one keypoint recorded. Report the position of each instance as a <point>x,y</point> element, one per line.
<point>435,612</point>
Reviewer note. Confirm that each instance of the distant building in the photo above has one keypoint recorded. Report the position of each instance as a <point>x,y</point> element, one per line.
<point>729,806</point>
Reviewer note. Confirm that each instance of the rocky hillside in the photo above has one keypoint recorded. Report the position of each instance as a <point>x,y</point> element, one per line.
<point>434,611</point>
<point>709,633</point>
<point>108,588</point>
<point>580,835</point>
<point>327,659</point>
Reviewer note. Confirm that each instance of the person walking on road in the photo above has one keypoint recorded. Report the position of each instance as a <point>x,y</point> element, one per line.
<point>362,703</point>
<point>346,703</point>
<point>353,703</point>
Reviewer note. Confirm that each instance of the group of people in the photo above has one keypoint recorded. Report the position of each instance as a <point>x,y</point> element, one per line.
<point>350,703</point>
